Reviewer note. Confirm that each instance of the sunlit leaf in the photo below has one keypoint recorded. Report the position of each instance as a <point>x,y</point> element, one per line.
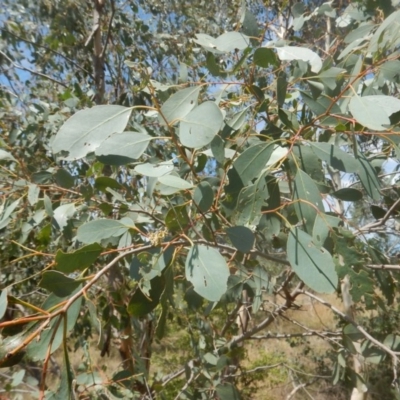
<point>84,132</point>
<point>289,53</point>
<point>198,128</point>
<point>179,105</point>
<point>206,269</point>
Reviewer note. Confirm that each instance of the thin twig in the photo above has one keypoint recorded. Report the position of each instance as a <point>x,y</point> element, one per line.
<point>32,71</point>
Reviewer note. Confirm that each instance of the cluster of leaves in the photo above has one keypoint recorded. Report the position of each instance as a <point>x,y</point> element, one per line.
<point>239,174</point>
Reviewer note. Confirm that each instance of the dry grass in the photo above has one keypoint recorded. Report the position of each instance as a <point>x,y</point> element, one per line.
<point>299,359</point>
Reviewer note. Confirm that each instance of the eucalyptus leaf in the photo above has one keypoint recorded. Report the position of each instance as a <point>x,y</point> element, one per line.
<point>313,265</point>
<point>206,269</point>
<point>86,130</point>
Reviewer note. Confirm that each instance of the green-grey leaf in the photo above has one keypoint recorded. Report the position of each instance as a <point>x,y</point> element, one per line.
<point>348,194</point>
<point>175,182</point>
<point>99,229</point>
<point>336,157</point>
<point>179,105</point>
<point>59,284</point>
<point>290,53</point>
<point>241,237</point>
<point>207,270</point>
<point>372,117</point>
<point>323,225</point>
<point>87,129</point>
<point>313,265</point>
<point>5,155</point>
<point>124,144</point>
<point>63,213</point>
<point>230,41</point>
<point>3,302</point>
<point>264,57</point>
<point>33,194</point>
<point>248,166</point>
<point>198,128</point>
<point>77,260</point>
<point>38,349</point>
<point>203,196</point>
<point>308,199</point>
<point>155,170</point>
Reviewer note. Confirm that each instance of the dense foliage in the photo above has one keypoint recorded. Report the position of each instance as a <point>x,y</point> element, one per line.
<point>197,167</point>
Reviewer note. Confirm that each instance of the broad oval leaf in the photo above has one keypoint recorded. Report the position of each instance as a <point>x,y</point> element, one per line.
<point>313,265</point>
<point>63,213</point>
<point>124,144</point>
<point>249,166</point>
<point>58,283</point>
<point>155,170</point>
<point>289,53</point>
<point>179,105</point>
<point>84,132</point>
<point>5,155</point>
<point>175,182</point>
<point>230,41</point>
<point>203,196</point>
<point>207,270</point>
<point>100,229</point>
<point>373,111</point>
<point>264,57</point>
<point>77,260</point>
<point>198,128</point>
<point>241,237</point>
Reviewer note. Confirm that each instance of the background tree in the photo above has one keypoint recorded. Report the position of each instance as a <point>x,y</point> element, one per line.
<point>198,169</point>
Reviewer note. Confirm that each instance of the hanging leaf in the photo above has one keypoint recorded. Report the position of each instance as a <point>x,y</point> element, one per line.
<point>281,86</point>
<point>33,194</point>
<point>125,144</point>
<point>313,265</point>
<point>59,284</point>
<point>198,128</point>
<point>53,335</point>
<point>177,218</point>
<point>99,229</point>
<point>179,105</point>
<point>155,170</point>
<point>84,132</point>
<point>368,113</point>
<point>5,155</point>
<point>203,196</point>
<point>248,166</point>
<point>250,201</point>
<point>264,57</point>
<point>175,182</point>
<point>291,53</point>
<point>230,41</point>
<point>225,43</point>
<point>368,177</point>
<point>63,213</point>
<point>348,194</point>
<point>241,237</point>
<point>3,303</point>
<point>335,157</point>
<point>77,260</point>
<point>140,304</point>
<point>206,269</point>
<point>308,201</point>
<point>323,226</point>
<point>64,178</point>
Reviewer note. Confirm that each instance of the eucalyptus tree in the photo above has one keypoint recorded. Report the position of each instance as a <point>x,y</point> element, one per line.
<point>178,166</point>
